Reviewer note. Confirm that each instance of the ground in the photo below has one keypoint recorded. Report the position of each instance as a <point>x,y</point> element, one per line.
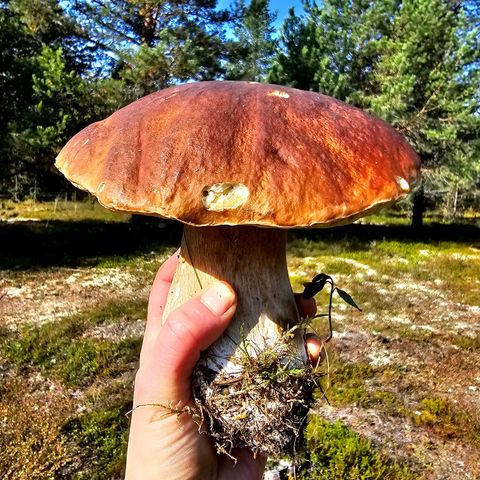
<point>403,373</point>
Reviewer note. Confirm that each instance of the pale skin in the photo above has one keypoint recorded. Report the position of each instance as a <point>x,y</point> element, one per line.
<point>165,441</point>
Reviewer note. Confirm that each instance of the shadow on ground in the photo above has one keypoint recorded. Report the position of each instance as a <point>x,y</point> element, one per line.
<point>431,233</point>
<point>30,245</point>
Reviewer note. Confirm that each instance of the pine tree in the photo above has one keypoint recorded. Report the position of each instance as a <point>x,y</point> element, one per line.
<point>253,49</point>
<point>151,44</point>
<point>332,48</point>
<point>46,97</point>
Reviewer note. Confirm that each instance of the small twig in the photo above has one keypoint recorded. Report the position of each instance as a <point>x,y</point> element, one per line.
<point>170,410</point>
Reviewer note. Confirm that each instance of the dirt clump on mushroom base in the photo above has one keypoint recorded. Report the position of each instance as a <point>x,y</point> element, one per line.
<point>264,407</point>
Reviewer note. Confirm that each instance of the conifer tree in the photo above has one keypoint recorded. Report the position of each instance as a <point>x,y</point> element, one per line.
<point>332,48</point>
<point>36,90</point>
<point>151,44</point>
<point>427,84</point>
<point>252,51</point>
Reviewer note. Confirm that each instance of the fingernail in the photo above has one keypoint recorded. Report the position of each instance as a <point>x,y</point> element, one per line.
<point>218,298</point>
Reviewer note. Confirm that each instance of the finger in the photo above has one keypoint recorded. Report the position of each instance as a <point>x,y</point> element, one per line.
<point>156,303</point>
<point>164,374</point>
<point>161,286</point>
<point>245,466</point>
<point>307,307</point>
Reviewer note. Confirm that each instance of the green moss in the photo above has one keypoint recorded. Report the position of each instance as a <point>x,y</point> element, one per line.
<point>387,400</point>
<point>417,335</point>
<point>114,311</point>
<point>88,359</point>
<point>335,452</point>
<point>59,348</point>
<point>447,420</point>
<point>347,383</point>
<point>101,439</point>
<point>466,342</point>
<point>40,345</point>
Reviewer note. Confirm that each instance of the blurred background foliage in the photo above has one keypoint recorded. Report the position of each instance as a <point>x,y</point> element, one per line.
<point>65,64</point>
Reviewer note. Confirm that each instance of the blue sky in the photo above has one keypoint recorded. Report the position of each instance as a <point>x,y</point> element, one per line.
<point>281,6</point>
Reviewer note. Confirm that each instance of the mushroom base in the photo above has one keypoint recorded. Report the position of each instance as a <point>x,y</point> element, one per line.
<point>263,408</point>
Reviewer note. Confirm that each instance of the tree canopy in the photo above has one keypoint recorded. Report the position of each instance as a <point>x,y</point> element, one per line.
<point>252,50</point>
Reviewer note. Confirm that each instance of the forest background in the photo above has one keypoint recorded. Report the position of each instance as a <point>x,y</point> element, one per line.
<point>65,64</point>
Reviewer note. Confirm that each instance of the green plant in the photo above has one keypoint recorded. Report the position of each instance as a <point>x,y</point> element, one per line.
<point>31,444</point>
<point>346,383</point>
<point>101,439</point>
<point>334,452</point>
<point>60,348</point>
<point>449,422</point>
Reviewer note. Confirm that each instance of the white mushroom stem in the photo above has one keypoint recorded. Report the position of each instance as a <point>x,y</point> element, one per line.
<point>253,261</point>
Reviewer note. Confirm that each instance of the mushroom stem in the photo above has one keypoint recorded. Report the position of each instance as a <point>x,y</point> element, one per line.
<point>249,383</point>
<point>253,261</point>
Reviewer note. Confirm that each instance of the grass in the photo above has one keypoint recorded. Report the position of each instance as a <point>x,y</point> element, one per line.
<point>59,209</point>
<point>59,349</point>
<point>64,389</point>
<point>101,436</point>
<point>46,438</point>
<point>335,452</point>
<point>358,384</point>
<point>31,444</point>
<point>45,428</point>
<point>446,420</point>
<point>467,342</point>
<point>347,383</point>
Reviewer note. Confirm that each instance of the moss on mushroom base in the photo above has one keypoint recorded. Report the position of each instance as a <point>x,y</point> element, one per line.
<point>263,407</point>
<point>253,384</point>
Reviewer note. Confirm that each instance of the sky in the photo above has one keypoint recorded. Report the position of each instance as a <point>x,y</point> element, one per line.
<point>280,6</point>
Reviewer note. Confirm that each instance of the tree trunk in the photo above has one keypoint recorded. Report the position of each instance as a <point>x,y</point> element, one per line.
<point>418,208</point>
<point>455,203</point>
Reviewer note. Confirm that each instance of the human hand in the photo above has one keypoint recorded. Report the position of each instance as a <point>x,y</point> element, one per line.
<point>165,442</point>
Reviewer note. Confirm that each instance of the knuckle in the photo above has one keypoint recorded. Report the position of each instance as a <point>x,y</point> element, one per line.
<point>179,325</point>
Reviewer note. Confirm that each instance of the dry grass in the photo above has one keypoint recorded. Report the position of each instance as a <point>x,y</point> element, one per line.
<point>264,406</point>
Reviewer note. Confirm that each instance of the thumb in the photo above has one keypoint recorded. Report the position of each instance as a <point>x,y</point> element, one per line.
<point>164,376</point>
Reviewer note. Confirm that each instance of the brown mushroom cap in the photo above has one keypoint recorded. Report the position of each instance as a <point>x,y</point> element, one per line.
<point>228,153</point>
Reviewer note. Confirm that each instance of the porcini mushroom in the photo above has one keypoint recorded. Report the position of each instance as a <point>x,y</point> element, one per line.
<point>239,163</point>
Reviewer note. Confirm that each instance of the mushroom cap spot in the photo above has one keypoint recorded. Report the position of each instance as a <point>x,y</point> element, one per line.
<point>311,161</point>
<point>224,196</point>
<point>403,184</point>
<point>278,93</point>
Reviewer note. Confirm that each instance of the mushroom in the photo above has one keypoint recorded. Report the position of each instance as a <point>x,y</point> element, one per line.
<point>239,163</point>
